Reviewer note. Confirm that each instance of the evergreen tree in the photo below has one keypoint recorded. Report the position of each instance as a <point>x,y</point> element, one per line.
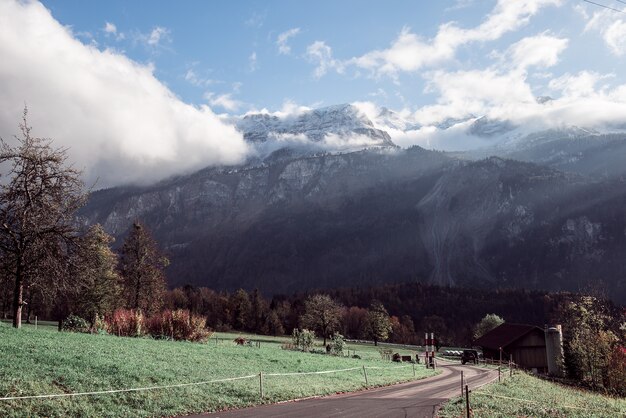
<point>258,312</point>
<point>141,266</point>
<point>273,325</point>
<point>240,308</point>
<point>99,284</point>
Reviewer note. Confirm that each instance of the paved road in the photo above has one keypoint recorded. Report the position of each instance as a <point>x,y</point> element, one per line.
<point>415,399</point>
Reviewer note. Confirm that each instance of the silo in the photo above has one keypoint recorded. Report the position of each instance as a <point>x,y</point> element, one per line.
<point>554,350</point>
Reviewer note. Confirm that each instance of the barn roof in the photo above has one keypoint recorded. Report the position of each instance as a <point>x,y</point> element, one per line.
<point>504,335</point>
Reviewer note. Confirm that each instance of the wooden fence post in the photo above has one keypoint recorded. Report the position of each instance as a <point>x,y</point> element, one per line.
<point>413,369</point>
<point>462,384</point>
<point>261,384</point>
<point>365,374</point>
<point>500,366</point>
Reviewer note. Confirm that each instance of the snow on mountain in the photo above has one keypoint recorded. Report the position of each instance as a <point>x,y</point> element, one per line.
<point>334,128</point>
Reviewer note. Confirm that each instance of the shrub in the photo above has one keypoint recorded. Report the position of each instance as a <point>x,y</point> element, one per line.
<point>74,323</point>
<point>126,323</point>
<point>303,339</point>
<point>100,326</point>
<point>178,325</point>
<point>338,343</point>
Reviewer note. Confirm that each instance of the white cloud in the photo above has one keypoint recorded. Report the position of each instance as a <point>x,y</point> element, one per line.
<point>192,77</point>
<point>111,30</point>
<point>615,37</point>
<point>157,35</point>
<point>281,41</point>
<point>579,85</point>
<point>322,54</point>
<point>225,101</point>
<point>256,20</point>
<point>288,109</point>
<point>541,51</point>
<point>118,121</point>
<point>474,92</point>
<point>610,25</point>
<point>156,39</point>
<point>253,62</point>
<point>410,52</point>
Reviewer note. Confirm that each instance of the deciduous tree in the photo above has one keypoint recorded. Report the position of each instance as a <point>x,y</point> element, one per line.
<point>489,322</point>
<point>321,314</point>
<point>38,201</point>
<point>379,322</point>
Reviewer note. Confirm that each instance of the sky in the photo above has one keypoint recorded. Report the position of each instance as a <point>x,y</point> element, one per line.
<point>141,90</point>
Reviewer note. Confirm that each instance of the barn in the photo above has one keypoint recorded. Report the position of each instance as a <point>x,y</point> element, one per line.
<point>526,344</point>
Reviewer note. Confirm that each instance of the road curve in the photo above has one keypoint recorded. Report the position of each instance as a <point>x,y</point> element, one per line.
<point>421,398</point>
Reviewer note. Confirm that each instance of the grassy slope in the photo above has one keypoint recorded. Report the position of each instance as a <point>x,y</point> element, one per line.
<point>44,361</point>
<point>548,400</point>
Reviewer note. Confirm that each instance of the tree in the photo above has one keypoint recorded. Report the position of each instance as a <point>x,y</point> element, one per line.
<point>273,326</point>
<point>240,308</point>
<point>141,266</point>
<point>489,322</point>
<point>436,325</point>
<point>379,322</point>
<point>321,314</point>
<point>355,323</point>
<point>98,283</point>
<point>37,208</point>
<point>403,330</point>
<point>259,310</point>
<point>590,338</point>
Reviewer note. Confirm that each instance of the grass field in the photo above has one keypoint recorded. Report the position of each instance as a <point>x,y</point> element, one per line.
<point>44,361</point>
<point>363,350</point>
<point>543,399</point>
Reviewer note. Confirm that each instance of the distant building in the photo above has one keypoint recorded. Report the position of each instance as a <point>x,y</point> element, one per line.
<point>527,344</point>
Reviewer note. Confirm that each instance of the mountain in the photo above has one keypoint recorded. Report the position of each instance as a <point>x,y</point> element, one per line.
<point>573,149</point>
<point>342,121</point>
<point>542,215</point>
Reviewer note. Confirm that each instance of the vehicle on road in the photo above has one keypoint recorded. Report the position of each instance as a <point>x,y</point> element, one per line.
<point>469,356</point>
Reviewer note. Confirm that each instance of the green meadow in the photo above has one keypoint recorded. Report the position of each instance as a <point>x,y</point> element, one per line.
<point>524,395</point>
<point>44,361</point>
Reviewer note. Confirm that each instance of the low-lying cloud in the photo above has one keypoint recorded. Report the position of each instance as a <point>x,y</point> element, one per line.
<point>120,124</point>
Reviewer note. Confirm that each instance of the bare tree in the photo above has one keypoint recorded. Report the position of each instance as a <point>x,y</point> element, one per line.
<point>38,202</point>
<point>141,265</point>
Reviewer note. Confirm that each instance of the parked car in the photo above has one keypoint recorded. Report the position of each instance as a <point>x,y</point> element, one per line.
<point>469,356</point>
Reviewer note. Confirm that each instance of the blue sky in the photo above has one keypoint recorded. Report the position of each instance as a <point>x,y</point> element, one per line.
<point>143,90</point>
<point>231,48</point>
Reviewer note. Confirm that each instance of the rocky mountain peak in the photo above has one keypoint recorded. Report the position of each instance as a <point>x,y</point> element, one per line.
<point>339,122</point>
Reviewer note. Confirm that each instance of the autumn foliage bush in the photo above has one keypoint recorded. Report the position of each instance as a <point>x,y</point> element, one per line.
<point>126,323</point>
<point>179,325</point>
